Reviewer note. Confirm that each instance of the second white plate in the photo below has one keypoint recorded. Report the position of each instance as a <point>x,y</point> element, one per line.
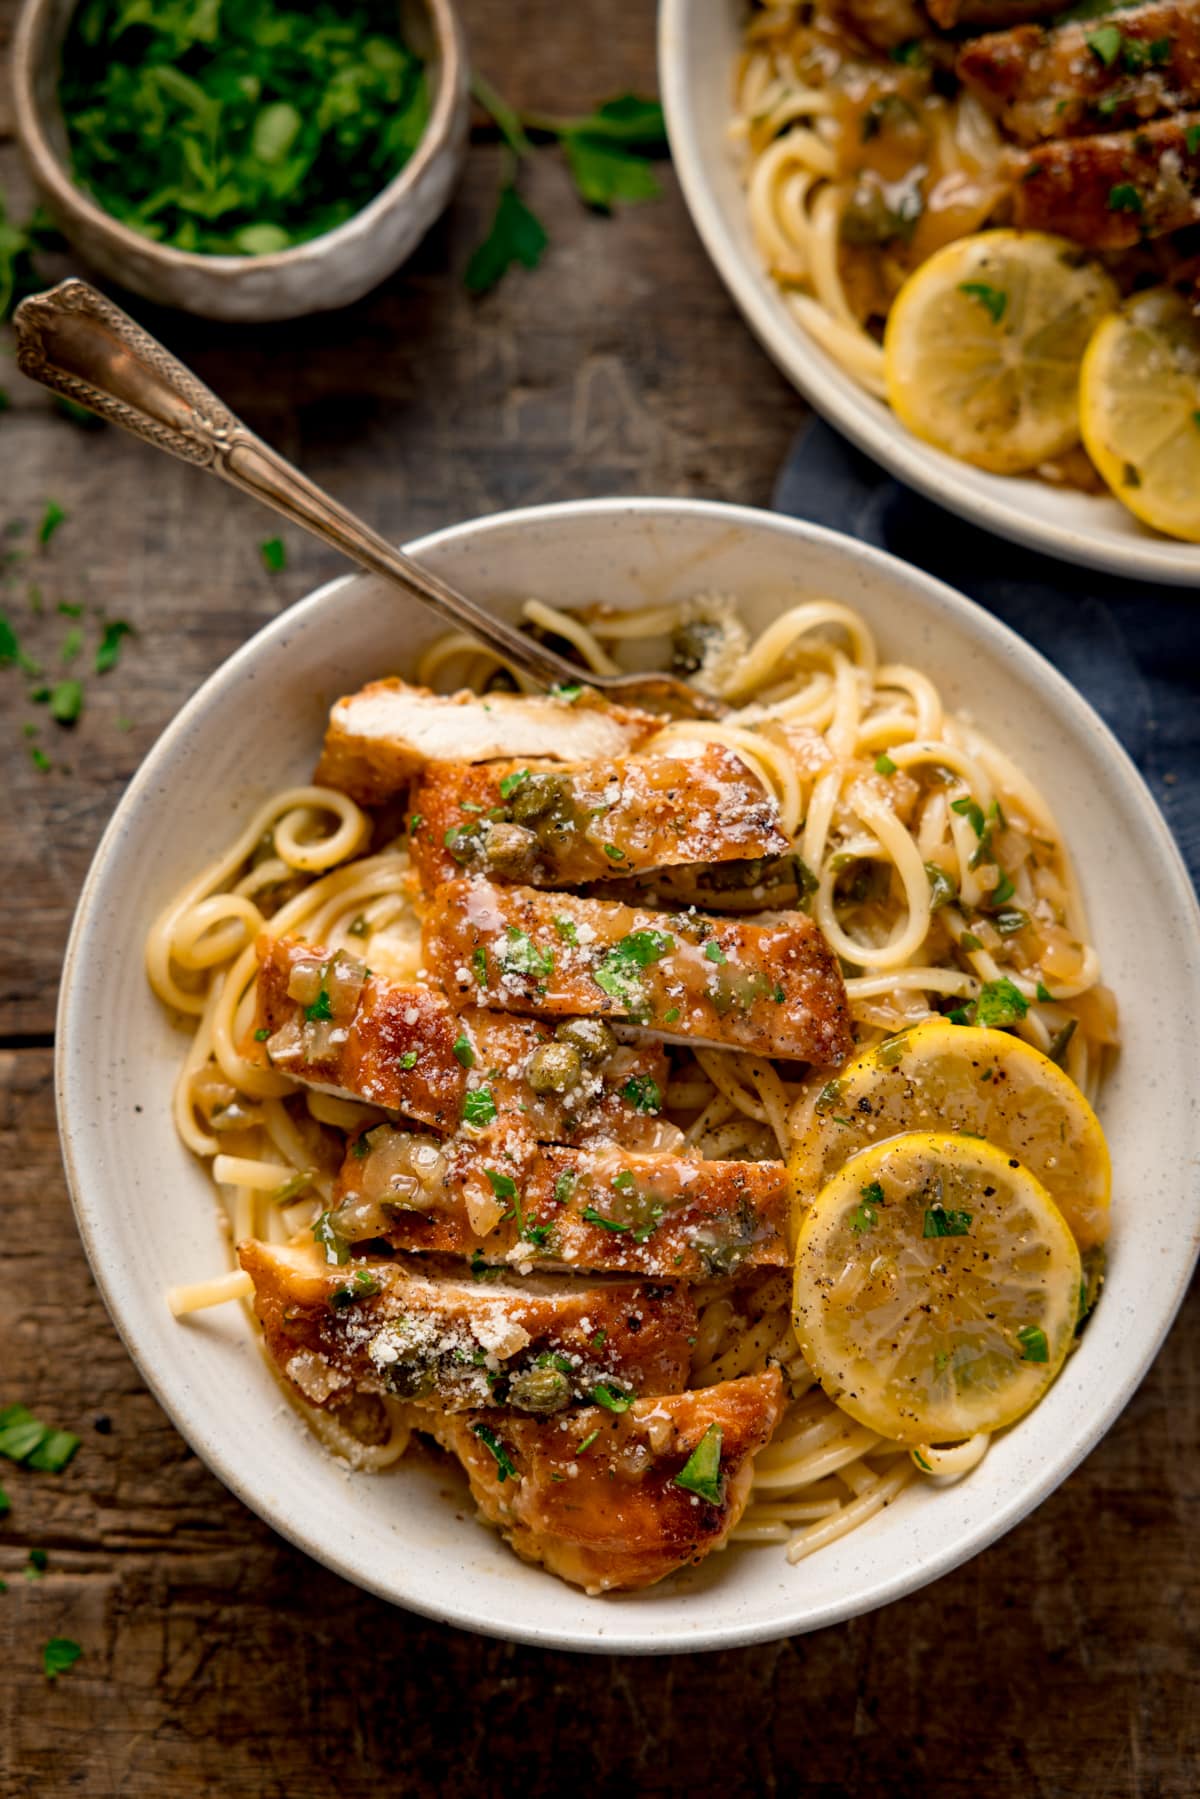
<point>698,43</point>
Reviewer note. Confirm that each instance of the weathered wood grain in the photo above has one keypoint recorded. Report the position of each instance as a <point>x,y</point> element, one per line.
<point>218,1660</point>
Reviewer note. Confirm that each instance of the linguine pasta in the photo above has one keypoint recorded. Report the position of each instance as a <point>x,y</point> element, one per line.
<point>930,861</point>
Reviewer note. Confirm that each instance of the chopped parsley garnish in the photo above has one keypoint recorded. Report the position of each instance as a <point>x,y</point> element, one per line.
<point>71,645</point>
<point>1009,922</point>
<point>610,1397</point>
<point>24,1438</point>
<point>701,1473</point>
<point>462,1051</point>
<point>1105,44</point>
<point>613,853</point>
<point>969,941</point>
<point>564,1186</point>
<point>362,1286</point>
<point>479,1107</point>
<point>1044,994</point>
<point>326,1234</point>
<point>884,765</point>
<point>292,1188</point>
<point>994,300</point>
<point>1124,197</point>
<point>587,1442</point>
<point>59,1654</point>
<point>1000,1003</point>
<point>972,811</point>
<point>865,1215</point>
<point>480,1270</point>
<point>52,518</point>
<point>642,1092</point>
<point>273,554</point>
<point>911,54</point>
<point>66,702</point>
<point>942,1223</point>
<point>566,928</point>
<point>521,954</point>
<point>505,1466</point>
<point>321,1009</point>
<point>479,965</point>
<point>510,783</point>
<point>713,952</point>
<point>591,1216</point>
<point>1034,1347</point>
<point>619,973</point>
<point>671,1016</point>
<point>1191,138</point>
<point>262,1033</point>
<point>1003,890</point>
<point>922,1464</point>
<point>408,1060</point>
<point>829,1095</point>
<point>566,691</point>
<point>502,1185</point>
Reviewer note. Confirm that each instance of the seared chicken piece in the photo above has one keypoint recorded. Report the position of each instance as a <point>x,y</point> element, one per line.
<point>617,1500</point>
<point>552,828</point>
<point>1089,75</point>
<point>447,1340</point>
<point>497,1196</point>
<point>1111,192</point>
<point>989,15</point>
<point>773,988</point>
<point>379,738</point>
<point>884,24</point>
<point>405,1049</point>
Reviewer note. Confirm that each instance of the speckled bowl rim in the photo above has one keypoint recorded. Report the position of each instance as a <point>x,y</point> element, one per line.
<point>1133,550</point>
<point>75,1084</point>
<point>55,178</point>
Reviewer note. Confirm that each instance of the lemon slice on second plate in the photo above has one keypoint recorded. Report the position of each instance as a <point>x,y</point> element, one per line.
<point>937,1288</point>
<point>983,346</point>
<point>951,1077</point>
<point>1140,410</point>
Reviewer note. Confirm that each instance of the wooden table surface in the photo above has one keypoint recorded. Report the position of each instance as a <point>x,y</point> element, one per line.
<point>217,1659</point>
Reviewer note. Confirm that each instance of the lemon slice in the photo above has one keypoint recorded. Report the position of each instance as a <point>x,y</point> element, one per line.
<point>1139,406</point>
<point>983,346</point>
<point>937,1288</point>
<point>952,1077</point>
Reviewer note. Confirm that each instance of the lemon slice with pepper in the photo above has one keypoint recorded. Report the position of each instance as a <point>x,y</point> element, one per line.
<point>1139,406</point>
<point>987,1083</point>
<point>983,346</point>
<point>937,1288</point>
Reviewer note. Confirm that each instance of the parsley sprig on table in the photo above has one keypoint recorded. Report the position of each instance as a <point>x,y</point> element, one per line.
<point>608,153</point>
<point>238,126</point>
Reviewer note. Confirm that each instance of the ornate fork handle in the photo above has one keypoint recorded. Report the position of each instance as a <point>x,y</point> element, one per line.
<point>78,343</point>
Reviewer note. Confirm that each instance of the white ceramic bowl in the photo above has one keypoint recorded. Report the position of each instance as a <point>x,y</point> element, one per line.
<point>698,42</point>
<point>327,271</point>
<point>147,1212</point>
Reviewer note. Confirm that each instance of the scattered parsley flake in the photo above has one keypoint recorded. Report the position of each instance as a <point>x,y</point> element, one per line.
<point>66,702</point>
<point>59,1654</point>
<point>510,783</point>
<point>1034,1347</point>
<point>942,1223</point>
<point>505,1466</point>
<point>52,518</point>
<point>321,1009</point>
<point>701,1473</point>
<point>994,300</point>
<point>884,765</point>
<point>463,1052</point>
<point>713,952</point>
<point>1123,196</point>
<point>273,553</point>
<point>1000,1003</point>
<point>325,1233</point>
<point>109,652</point>
<point>479,1107</point>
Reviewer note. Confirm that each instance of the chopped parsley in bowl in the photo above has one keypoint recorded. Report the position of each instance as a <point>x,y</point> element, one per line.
<point>238,127</point>
<point>244,159</point>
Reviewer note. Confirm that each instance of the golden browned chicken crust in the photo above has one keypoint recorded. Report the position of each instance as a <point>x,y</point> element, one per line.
<point>497,1195</point>
<point>560,828</point>
<point>595,1496</point>
<point>773,988</point>
<point>1089,75</point>
<point>438,1337</point>
<point>405,1049</point>
<point>382,736</point>
<point>1110,192</point>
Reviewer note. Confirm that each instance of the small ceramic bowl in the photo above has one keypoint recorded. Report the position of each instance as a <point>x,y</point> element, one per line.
<point>146,1208</point>
<point>327,271</point>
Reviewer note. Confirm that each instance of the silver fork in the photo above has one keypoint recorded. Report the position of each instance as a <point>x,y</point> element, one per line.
<point>78,343</point>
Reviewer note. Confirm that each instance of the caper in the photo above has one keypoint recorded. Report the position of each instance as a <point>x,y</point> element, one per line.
<point>555,1068</point>
<point>691,643</point>
<point>591,1037</point>
<point>541,796</point>
<point>510,849</point>
<point>539,1390</point>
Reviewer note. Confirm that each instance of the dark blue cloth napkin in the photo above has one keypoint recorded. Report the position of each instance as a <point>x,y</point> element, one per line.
<point>1131,648</point>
